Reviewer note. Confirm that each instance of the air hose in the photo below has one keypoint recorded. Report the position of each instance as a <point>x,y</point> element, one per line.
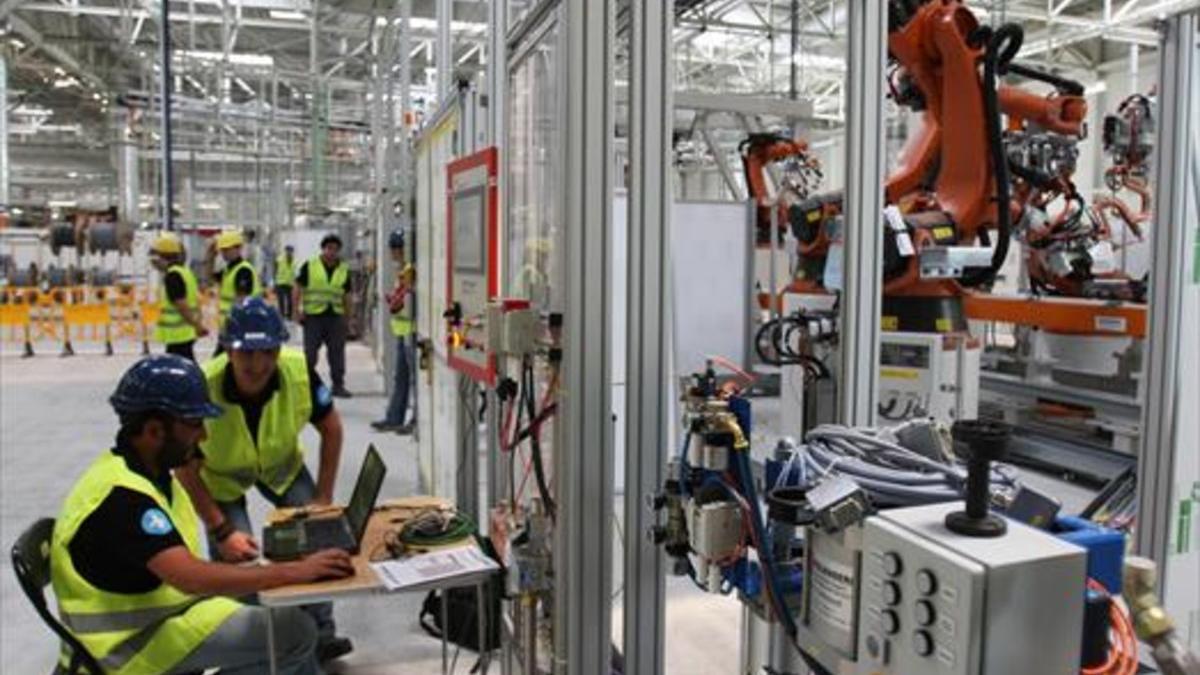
<point>1002,47</point>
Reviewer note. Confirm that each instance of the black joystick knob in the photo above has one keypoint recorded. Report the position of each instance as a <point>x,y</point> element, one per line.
<point>985,442</point>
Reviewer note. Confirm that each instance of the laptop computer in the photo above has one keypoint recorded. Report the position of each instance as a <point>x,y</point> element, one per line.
<point>299,537</point>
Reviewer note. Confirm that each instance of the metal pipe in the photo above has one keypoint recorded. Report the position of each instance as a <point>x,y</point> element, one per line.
<point>164,32</point>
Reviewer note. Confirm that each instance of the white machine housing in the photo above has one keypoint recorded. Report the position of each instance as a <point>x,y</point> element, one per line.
<point>928,375</point>
<point>938,603</point>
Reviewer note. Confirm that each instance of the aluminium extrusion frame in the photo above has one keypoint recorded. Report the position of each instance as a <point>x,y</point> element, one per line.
<point>648,377</point>
<point>1179,62</point>
<point>584,436</point>
<point>862,268</point>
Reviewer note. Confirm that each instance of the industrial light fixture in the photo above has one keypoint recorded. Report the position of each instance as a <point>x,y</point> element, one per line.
<point>287,15</point>
<point>241,59</point>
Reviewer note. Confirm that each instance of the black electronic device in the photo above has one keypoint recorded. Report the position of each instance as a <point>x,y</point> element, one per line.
<point>297,538</point>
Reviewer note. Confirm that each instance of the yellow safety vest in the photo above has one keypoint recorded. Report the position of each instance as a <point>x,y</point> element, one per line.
<point>234,459</point>
<point>172,328</point>
<point>229,289</point>
<point>131,634</point>
<point>324,290</point>
<point>285,271</point>
<point>402,323</point>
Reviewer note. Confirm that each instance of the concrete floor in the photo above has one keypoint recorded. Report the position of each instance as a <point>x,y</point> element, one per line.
<point>54,419</point>
<point>43,448</point>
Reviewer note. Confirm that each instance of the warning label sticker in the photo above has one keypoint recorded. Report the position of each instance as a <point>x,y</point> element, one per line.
<point>833,593</point>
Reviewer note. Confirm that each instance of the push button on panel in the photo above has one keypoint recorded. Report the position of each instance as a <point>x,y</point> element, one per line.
<point>922,643</point>
<point>889,621</point>
<point>926,582</point>
<point>924,613</point>
<point>891,593</point>
<point>892,565</point>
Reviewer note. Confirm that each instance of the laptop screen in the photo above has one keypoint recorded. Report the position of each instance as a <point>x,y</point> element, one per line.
<point>366,491</point>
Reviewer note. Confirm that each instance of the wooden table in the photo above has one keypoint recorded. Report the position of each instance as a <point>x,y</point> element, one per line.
<point>389,516</point>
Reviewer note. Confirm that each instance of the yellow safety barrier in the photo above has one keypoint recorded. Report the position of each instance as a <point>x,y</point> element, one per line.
<point>16,317</point>
<point>149,319</point>
<point>89,316</point>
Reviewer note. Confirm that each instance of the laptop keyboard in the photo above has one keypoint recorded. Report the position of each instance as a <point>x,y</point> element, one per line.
<point>325,533</point>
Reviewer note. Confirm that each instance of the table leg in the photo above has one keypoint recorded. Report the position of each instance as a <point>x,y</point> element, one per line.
<point>445,630</point>
<point>481,611</point>
<point>271,658</point>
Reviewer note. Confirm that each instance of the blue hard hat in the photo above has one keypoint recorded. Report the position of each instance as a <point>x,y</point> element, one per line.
<point>396,239</point>
<point>164,383</point>
<point>254,325</point>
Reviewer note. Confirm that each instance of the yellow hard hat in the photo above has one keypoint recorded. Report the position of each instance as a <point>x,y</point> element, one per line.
<point>230,238</point>
<point>167,243</point>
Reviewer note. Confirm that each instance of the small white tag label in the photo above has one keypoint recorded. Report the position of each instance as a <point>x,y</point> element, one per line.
<point>1111,324</point>
<point>904,245</point>
<point>1103,259</point>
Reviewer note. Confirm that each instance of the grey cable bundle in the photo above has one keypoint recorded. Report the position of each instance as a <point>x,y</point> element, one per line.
<point>890,473</point>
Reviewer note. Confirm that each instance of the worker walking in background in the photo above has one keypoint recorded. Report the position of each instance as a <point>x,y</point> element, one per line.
<point>180,322</point>
<point>322,299</point>
<point>285,274</point>
<point>402,328</point>
<point>238,280</point>
<point>268,393</point>
<point>125,554</point>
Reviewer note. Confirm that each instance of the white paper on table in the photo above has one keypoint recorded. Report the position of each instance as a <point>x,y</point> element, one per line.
<point>434,568</point>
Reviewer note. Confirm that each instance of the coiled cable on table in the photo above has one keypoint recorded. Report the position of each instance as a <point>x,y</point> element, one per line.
<point>891,474</point>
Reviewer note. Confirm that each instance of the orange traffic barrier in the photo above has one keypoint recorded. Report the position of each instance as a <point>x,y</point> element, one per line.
<point>93,316</point>
<point>16,317</point>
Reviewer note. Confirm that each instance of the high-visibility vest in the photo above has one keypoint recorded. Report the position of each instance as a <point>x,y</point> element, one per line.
<point>285,271</point>
<point>229,288</point>
<point>172,328</point>
<point>235,456</point>
<point>131,633</point>
<point>402,322</point>
<point>324,290</point>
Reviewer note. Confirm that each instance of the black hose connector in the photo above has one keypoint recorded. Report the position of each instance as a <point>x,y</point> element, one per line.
<point>985,442</point>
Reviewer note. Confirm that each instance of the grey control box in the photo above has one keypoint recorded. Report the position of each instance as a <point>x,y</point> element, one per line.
<point>937,603</point>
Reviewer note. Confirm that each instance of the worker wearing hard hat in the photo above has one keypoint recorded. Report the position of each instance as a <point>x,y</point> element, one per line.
<point>268,394</point>
<point>239,280</point>
<point>180,321</point>
<point>125,553</point>
<point>285,274</point>
<point>400,307</point>
<point>322,299</point>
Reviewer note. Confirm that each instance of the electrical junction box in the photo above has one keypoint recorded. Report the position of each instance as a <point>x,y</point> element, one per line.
<point>927,375</point>
<point>512,327</point>
<point>472,262</point>
<point>938,603</point>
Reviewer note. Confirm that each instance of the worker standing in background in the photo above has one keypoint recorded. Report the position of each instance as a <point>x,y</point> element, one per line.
<point>180,321</point>
<point>268,394</point>
<point>285,274</point>
<point>238,280</point>
<point>125,554</point>
<point>402,328</point>
<point>322,300</point>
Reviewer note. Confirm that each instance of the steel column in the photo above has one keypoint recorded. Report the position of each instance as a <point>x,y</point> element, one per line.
<point>1178,109</point>
<point>4,171</point>
<point>867,24</point>
<point>584,436</point>
<point>445,50</point>
<point>168,188</point>
<point>647,416</point>
<point>497,101</point>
